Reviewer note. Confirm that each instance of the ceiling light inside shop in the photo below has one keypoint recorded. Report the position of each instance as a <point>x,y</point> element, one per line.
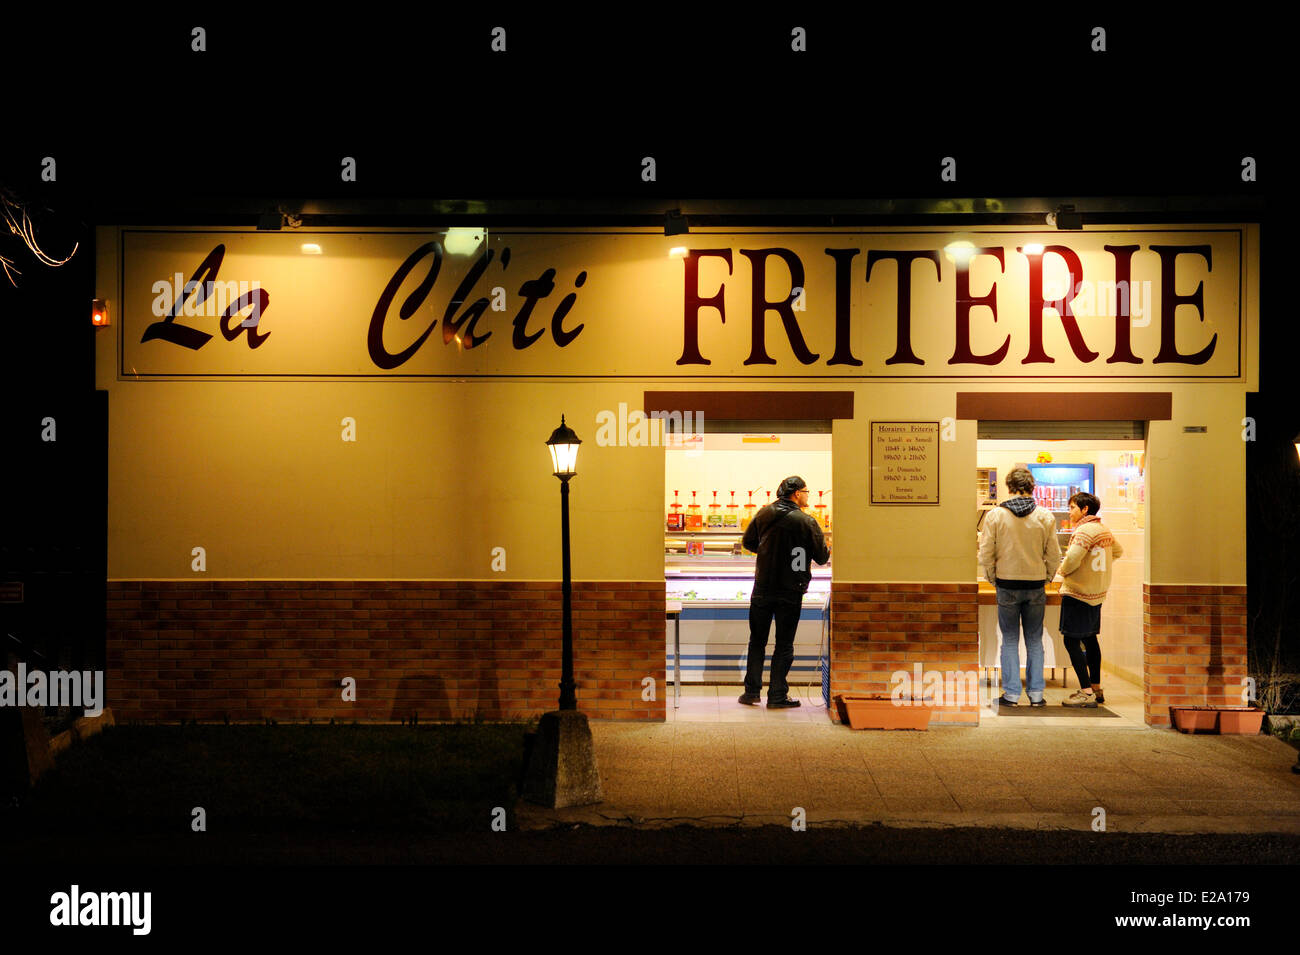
<point>677,250</point>
<point>463,241</point>
<point>1033,248</point>
<point>310,248</point>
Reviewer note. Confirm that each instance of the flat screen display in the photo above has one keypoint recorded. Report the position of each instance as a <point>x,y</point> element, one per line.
<point>1076,476</point>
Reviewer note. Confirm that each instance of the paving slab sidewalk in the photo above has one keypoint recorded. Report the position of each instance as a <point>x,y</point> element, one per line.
<point>1001,776</point>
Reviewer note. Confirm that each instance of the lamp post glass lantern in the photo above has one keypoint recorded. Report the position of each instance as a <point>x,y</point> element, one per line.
<point>563,445</point>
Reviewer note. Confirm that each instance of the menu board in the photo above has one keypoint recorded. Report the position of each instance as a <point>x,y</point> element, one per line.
<point>904,462</point>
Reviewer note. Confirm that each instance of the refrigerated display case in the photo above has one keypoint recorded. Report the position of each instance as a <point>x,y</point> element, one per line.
<point>712,576</point>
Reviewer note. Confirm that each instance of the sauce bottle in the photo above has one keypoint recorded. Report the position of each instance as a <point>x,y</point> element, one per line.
<point>732,517</point>
<point>694,519</point>
<point>675,520</point>
<point>821,511</point>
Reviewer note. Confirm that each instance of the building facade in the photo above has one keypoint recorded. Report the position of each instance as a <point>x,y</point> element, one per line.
<point>329,495</point>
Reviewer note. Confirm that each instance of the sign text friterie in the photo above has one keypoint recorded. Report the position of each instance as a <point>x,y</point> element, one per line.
<point>904,462</point>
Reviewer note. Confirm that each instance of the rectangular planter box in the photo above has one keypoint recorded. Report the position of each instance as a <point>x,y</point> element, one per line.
<point>1194,719</point>
<point>1240,720</point>
<point>863,712</point>
<point>1243,720</point>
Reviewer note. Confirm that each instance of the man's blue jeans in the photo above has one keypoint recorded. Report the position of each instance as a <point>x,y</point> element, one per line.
<point>1017,608</point>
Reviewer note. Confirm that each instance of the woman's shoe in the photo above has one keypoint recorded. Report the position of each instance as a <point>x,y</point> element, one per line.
<point>1099,695</point>
<point>1081,699</point>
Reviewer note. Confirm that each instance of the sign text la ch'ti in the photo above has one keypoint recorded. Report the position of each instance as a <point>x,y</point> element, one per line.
<point>1095,304</point>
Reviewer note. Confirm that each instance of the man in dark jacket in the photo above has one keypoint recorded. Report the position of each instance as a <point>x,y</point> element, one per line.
<point>785,540</point>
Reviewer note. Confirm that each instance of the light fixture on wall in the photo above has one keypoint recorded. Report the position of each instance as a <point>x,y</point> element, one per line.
<point>1297,445</point>
<point>1065,218</point>
<point>675,223</point>
<point>278,219</point>
<point>99,312</point>
<point>463,241</point>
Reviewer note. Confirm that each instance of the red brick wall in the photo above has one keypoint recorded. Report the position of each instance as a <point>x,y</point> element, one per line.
<point>878,629</point>
<point>1194,646</point>
<point>249,650</point>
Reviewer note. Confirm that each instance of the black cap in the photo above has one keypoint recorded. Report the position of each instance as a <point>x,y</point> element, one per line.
<point>790,485</point>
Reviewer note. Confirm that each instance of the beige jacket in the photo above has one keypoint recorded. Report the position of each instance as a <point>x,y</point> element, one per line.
<point>1085,572</point>
<point>1019,548</point>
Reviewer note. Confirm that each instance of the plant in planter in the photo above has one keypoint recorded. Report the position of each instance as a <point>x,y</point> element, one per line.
<point>1284,728</point>
<point>1277,692</point>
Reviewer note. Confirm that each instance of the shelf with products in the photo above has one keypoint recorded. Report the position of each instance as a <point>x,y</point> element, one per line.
<point>715,533</point>
<point>694,546</point>
<point>720,573</point>
<point>686,563</point>
<point>724,567</point>
<point>714,588</point>
<point>721,512</point>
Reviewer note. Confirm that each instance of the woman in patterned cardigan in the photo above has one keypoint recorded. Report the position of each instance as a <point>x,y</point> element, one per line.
<point>1085,578</point>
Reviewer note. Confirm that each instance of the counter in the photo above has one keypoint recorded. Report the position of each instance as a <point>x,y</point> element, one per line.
<point>988,594</point>
<point>713,590</point>
<point>1054,654</point>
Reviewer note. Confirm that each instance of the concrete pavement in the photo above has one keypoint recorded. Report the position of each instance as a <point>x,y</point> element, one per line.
<point>729,765</point>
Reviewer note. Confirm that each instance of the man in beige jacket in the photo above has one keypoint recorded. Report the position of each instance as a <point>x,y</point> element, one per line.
<point>1085,578</point>
<point>1019,554</point>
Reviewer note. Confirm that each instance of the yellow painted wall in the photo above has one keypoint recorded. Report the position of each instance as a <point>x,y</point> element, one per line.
<point>1196,490</point>
<point>257,473</point>
<point>442,472</point>
<point>902,542</point>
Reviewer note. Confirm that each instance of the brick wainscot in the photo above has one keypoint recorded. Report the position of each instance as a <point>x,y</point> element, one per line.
<point>1193,646</point>
<point>879,629</point>
<point>252,650</point>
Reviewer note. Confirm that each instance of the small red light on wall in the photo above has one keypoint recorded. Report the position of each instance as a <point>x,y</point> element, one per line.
<point>99,312</point>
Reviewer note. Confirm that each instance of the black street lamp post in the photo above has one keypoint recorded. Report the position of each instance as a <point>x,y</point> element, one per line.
<point>562,765</point>
<point>563,445</point>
